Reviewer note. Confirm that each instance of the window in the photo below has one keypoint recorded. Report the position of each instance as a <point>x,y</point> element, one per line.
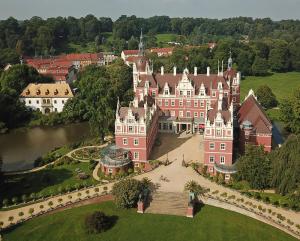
<point>130,129</point>
<point>195,103</point>
<point>48,101</point>
<point>181,103</point>
<point>195,114</point>
<point>37,102</point>
<point>218,132</point>
<point>227,177</point>
<point>202,103</point>
<point>44,101</point>
<point>214,93</point>
<point>222,146</point>
<point>125,142</point>
<point>166,92</point>
<point>181,113</point>
<point>172,113</point>
<point>181,93</point>
<point>55,101</point>
<point>136,155</point>
<point>188,93</point>
<point>202,93</point>
<point>201,114</point>
<point>211,159</point>
<point>172,102</point>
<point>166,102</point>
<point>222,159</point>
<point>225,94</point>
<point>153,93</point>
<point>55,109</point>
<point>63,101</point>
<point>136,142</point>
<point>188,103</point>
<point>165,126</point>
<point>170,126</point>
<point>233,99</point>
<point>142,129</point>
<point>159,103</point>
<point>110,170</point>
<point>188,114</point>
<point>211,146</point>
<point>29,101</point>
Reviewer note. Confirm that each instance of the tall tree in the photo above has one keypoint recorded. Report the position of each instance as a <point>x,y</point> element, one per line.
<point>266,97</point>
<point>255,167</point>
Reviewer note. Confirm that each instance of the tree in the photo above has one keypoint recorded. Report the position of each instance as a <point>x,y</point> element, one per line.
<point>97,222</point>
<point>290,112</point>
<point>194,187</point>
<point>255,167</point>
<point>126,193</point>
<point>266,97</point>
<point>260,66</point>
<point>286,166</point>
<point>133,43</point>
<point>279,58</point>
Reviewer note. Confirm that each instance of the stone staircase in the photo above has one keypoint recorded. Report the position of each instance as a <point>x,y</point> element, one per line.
<point>171,203</point>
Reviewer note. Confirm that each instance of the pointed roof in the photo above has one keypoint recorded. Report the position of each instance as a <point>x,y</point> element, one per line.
<point>252,111</point>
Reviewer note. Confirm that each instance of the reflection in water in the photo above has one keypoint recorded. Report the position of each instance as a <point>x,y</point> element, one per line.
<point>20,148</point>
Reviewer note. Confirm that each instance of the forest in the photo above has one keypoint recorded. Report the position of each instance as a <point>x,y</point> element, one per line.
<point>257,44</point>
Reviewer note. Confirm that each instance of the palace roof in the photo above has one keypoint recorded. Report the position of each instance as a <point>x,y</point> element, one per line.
<point>50,90</point>
<point>252,111</point>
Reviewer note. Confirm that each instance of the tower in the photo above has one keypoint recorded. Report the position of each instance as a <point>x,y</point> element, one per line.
<point>230,60</point>
<point>141,45</point>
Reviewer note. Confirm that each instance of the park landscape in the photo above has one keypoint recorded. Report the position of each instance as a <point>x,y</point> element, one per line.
<point>69,194</point>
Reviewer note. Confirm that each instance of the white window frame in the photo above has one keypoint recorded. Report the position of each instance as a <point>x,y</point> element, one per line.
<point>211,159</point>
<point>188,114</point>
<point>166,102</point>
<point>222,160</point>
<point>136,155</point>
<point>125,141</point>
<point>211,146</point>
<point>136,141</point>
<point>195,103</point>
<point>201,103</point>
<point>181,103</point>
<point>223,146</point>
<point>172,102</point>
<point>181,113</point>
<point>196,114</point>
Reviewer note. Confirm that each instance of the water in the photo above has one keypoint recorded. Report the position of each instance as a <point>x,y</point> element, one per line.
<point>19,148</point>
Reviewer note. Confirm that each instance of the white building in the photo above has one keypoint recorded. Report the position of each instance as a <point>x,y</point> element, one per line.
<point>46,97</point>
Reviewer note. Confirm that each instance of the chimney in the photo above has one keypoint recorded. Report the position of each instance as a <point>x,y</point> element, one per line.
<point>220,101</point>
<point>195,71</point>
<point>162,72</point>
<point>238,77</point>
<point>174,70</point>
<point>208,71</point>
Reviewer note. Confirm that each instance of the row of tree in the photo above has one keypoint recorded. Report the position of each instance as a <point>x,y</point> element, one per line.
<point>257,44</point>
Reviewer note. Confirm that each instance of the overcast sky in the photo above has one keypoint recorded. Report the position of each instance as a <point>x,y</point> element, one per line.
<point>275,9</point>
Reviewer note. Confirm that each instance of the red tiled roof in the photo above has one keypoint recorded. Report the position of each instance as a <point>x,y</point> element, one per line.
<point>208,81</point>
<point>252,111</point>
<point>162,50</point>
<point>131,52</point>
<point>225,113</point>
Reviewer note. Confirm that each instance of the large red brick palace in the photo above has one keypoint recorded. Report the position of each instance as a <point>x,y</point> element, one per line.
<point>195,103</point>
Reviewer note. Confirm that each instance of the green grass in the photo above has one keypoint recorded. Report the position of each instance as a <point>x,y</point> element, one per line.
<point>210,223</point>
<point>46,181</point>
<point>282,84</point>
<point>166,37</point>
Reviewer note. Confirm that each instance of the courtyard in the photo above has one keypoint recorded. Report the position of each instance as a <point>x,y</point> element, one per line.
<point>178,147</point>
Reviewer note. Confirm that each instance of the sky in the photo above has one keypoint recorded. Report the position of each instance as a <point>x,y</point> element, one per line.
<point>275,9</point>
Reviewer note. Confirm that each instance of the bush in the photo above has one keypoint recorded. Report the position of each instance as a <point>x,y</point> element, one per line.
<point>126,193</point>
<point>97,222</point>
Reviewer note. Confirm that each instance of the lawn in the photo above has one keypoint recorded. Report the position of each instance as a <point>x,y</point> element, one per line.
<point>46,181</point>
<point>210,223</point>
<point>282,84</point>
<point>166,37</point>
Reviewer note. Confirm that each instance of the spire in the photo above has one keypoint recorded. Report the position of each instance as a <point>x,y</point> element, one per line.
<point>230,60</point>
<point>118,108</point>
<point>218,67</point>
<point>141,45</point>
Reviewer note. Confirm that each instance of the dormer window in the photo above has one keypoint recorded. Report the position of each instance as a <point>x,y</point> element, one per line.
<point>188,93</point>
<point>47,92</point>
<point>181,93</point>
<point>202,93</point>
<point>27,92</point>
<point>166,92</point>
<point>66,92</point>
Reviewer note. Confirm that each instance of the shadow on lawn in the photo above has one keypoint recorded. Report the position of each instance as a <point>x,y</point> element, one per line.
<point>18,185</point>
<point>198,206</point>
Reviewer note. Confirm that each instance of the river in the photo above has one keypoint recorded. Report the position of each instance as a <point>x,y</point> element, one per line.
<point>19,148</point>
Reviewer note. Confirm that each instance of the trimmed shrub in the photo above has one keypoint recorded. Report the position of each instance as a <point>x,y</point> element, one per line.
<point>97,222</point>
